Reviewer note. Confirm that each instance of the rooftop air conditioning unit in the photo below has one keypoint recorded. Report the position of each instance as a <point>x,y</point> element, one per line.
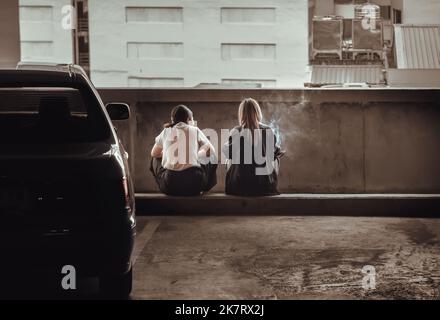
<point>367,35</point>
<point>327,35</point>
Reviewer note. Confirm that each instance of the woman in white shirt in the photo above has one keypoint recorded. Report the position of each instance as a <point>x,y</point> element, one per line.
<point>183,161</point>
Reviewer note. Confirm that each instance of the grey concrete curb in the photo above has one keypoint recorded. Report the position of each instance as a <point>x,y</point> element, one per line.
<point>384,205</point>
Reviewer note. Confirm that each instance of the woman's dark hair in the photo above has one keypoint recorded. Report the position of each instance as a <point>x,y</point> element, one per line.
<point>179,113</point>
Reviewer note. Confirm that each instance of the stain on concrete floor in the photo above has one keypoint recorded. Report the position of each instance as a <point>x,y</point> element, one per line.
<point>289,258</point>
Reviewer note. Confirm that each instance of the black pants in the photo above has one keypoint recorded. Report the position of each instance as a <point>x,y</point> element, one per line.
<point>241,180</point>
<point>189,182</point>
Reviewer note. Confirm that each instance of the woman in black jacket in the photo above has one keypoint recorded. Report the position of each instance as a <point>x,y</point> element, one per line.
<point>253,154</point>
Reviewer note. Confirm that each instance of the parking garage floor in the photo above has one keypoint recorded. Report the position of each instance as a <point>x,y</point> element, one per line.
<point>286,258</point>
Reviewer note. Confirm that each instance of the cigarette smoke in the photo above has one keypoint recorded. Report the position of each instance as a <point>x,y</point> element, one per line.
<point>288,121</point>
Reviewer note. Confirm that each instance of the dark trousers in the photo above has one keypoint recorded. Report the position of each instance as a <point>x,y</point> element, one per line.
<point>190,182</point>
<point>241,180</point>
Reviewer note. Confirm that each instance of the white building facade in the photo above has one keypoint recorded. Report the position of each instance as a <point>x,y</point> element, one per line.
<point>178,43</point>
<point>184,43</point>
<point>42,36</point>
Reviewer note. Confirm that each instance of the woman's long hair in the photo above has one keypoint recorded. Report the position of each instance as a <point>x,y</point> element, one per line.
<point>180,113</point>
<point>249,114</point>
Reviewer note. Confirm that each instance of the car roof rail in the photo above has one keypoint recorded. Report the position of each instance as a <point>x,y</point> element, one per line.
<point>70,68</point>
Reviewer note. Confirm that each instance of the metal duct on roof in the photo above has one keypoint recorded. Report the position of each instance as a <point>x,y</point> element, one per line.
<point>340,74</point>
<point>417,46</point>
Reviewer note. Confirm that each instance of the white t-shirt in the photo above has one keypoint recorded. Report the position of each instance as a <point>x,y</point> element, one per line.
<point>180,145</point>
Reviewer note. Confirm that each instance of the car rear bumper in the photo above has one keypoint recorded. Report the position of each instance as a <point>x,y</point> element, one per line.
<point>99,253</point>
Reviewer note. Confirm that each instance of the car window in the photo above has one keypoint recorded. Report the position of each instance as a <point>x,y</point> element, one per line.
<point>49,115</point>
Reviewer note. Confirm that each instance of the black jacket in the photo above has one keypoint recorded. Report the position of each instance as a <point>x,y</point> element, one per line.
<point>242,178</point>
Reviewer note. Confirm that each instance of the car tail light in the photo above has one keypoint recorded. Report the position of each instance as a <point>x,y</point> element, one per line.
<point>126,188</point>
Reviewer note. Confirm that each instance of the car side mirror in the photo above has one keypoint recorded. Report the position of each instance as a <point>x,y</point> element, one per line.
<point>118,111</point>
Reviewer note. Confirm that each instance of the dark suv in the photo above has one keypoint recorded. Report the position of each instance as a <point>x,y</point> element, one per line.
<point>67,214</point>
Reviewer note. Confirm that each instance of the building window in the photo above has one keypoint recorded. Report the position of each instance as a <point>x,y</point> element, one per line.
<point>397,16</point>
<point>155,50</point>
<point>36,13</point>
<point>156,15</point>
<point>385,12</point>
<point>159,82</point>
<point>248,51</point>
<point>248,15</point>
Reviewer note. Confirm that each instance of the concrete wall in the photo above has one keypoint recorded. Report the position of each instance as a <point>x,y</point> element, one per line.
<point>421,12</point>
<point>43,38</point>
<point>336,140</point>
<point>414,78</point>
<point>175,43</point>
<point>397,4</point>
<point>9,34</point>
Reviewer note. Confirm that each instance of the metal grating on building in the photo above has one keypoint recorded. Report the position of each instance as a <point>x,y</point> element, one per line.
<point>340,74</point>
<point>417,46</point>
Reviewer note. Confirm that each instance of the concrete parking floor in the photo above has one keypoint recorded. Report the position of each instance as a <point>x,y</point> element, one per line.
<point>286,258</point>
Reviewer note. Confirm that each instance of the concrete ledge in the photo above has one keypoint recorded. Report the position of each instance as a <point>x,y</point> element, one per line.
<point>405,205</point>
